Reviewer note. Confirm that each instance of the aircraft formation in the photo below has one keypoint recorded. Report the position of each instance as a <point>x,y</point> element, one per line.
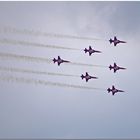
<point>86,76</point>
<point>91,51</point>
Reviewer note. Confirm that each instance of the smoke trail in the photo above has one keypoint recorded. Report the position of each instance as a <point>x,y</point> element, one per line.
<point>39,59</point>
<point>26,58</point>
<point>34,72</point>
<point>59,74</point>
<point>23,43</point>
<point>90,65</point>
<point>39,33</point>
<point>42,82</point>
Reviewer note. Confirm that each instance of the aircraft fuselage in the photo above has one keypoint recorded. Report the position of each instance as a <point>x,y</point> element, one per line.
<point>90,51</point>
<point>87,77</point>
<point>115,68</point>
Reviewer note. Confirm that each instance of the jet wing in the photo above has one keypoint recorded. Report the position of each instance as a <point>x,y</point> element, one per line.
<point>115,70</point>
<point>86,74</point>
<point>90,53</point>
<point>115,64</point>
<point>115,38</point>
<point>90,48</point>
<point>113,93</point>
<point>59,57</point>
<point>59,63</point>
<point>113,87</point>
<point>115,43</point>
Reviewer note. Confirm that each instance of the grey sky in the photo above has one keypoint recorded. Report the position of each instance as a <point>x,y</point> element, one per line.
<point>37,111</point>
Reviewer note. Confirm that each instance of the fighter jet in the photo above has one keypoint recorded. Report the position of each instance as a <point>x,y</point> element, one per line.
<point>90,50</point>
<point>114,90</point>
<point>115,67</point>
<point>87,77</point>
<point>59,60</point>
<point>116,41</point>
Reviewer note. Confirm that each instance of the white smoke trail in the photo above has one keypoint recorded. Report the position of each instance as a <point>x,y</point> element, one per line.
<point>26,58</point>
<point>39,33</point>
<point>39,59</point>
<point>42,82</point>
<point>59,74</point>
<point>34,72</point>
<point>26,43</point>
<point>90,65</point>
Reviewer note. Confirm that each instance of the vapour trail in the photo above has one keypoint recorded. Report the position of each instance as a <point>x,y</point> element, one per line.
<point>26,58</point>
<point>90,65</point>
<point>26,43</point>
<point>39,59</point>
<point>42,82</point>
<point>34,72</point>
<point>40,33</point>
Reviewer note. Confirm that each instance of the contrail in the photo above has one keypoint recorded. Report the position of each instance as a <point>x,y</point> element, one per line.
<point>26,58</point>
<point>39,59</point>
<point>42,82</point>
<point>90,65</point>
<point>45,34</point>
<point>26,43</point>
<point>34,72</point>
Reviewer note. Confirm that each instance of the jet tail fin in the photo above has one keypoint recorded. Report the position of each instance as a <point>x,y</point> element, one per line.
<point>110,67</point>
<point>108,90</point>
<point>85,50</point>
<point>110,40</point>
<point>82,76</point>
<point>54,60</point>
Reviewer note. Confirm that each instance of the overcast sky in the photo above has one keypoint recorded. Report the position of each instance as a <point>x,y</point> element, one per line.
<point>39,111</point>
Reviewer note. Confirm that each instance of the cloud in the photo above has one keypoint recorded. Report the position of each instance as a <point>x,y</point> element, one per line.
<point>126,18</point>
<point>61,112</point>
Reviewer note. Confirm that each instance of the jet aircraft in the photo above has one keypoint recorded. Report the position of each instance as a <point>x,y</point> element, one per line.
<point>115,67</point>
<point>90,50</point>
<point>59,61</point>
<point>116,41</point>
<point>87,77</point>
<point>114,90</point>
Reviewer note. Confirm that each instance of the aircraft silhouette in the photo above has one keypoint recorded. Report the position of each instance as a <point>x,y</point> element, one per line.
<point>116,41</point>
<point>87,77</point>
<point>90,50</point>
<point>115,67</point>
<point>59,61</point>
<point>114,90</point>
